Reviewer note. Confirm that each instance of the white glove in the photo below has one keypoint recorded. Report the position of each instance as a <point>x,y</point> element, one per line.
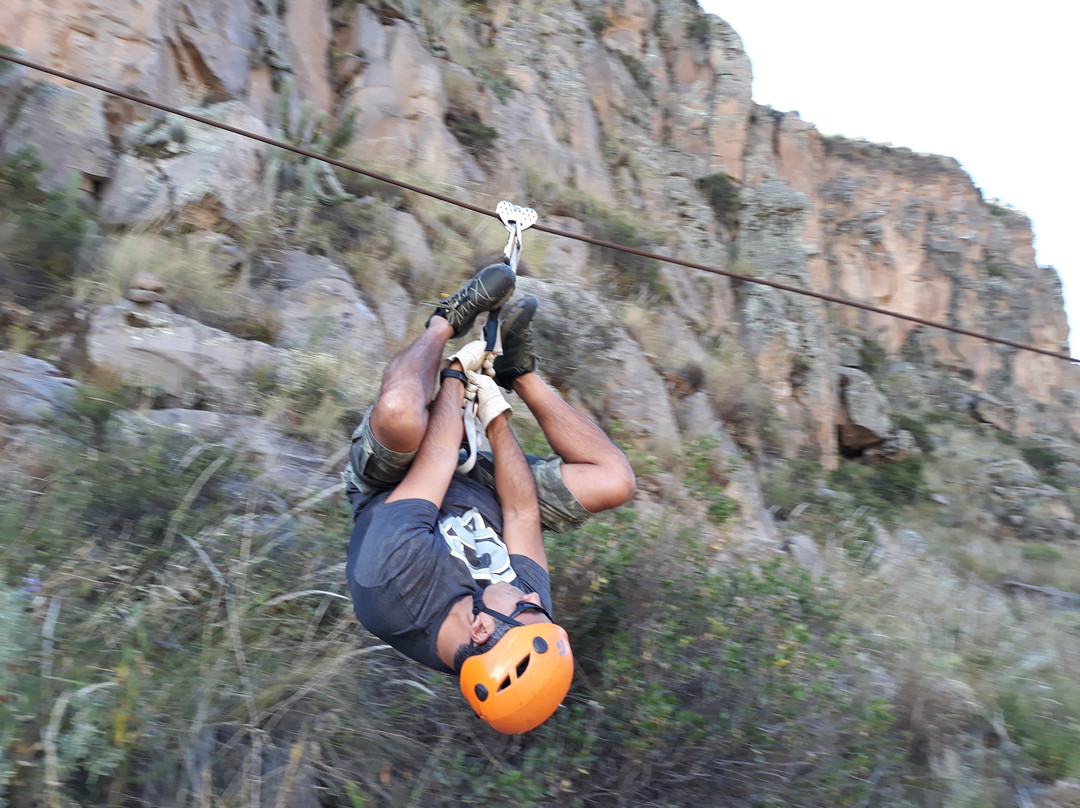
<point>489,399</point>
<point>473,356</point>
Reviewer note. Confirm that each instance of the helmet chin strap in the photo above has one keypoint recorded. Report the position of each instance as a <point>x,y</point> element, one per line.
<point>478,606</point>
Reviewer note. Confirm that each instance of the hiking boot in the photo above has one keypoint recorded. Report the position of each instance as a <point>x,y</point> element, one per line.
<point>517,357</point>
<point>488,289</point>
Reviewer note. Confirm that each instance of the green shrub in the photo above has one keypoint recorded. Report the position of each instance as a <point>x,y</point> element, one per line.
<point>712,681</point>
<point>917,429</point>
<point>872,356</point>
<point>1044,718</point>
<point>708,482</point>
<point>91,406</point>
<point>722,194</point>
<point>996,270</point>
<point>471,132</point>
<point>640,74</point>
<point>15,678</point>
<point>884,487</point>
<point>47,228</point>
<point>696,684</point>
<point>498,82</point>
<point>1045,553</point>
<point>1040,457</point>
<point>598,22</point>
<point>698,29</point>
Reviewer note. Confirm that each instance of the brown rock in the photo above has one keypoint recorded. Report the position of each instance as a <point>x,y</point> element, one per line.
<point>148,281</point>
<point>136,295</point>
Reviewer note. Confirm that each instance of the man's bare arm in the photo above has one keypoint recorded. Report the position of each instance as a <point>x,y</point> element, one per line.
<point>594,469</point>
<point>433,467</point>
<point>516,489</point>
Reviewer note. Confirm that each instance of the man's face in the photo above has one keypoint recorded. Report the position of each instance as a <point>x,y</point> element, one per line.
<point>504,598</point>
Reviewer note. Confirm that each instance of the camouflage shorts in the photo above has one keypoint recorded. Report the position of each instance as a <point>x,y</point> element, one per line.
<point>373,468</point>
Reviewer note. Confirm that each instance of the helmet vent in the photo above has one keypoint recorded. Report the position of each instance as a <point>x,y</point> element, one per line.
<point>505,684</point>
<point>521,666</point>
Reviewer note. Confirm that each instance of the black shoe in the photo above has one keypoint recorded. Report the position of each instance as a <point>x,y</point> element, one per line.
<point>488,289</point>
<point>517,357</point>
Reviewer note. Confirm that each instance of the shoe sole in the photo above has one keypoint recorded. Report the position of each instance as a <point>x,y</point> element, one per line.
<point>519,318</point>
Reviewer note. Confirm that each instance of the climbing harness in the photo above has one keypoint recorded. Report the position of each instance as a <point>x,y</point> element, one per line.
<point>516,220</point>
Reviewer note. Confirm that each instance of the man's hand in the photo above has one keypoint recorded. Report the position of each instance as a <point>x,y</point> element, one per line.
<point>489,399</point>
<point>473,356</point>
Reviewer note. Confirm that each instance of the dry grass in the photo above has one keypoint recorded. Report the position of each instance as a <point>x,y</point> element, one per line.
<point>318,395</point>
<point>198,284</point>
<point>640,317</point>
<point>741,400</point>
<point>954,646</point>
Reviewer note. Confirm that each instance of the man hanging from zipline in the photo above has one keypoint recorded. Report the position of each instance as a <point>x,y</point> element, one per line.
<point>449,566</point>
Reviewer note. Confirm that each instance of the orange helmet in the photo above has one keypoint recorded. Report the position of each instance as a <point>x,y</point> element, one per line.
<point>518,684</point>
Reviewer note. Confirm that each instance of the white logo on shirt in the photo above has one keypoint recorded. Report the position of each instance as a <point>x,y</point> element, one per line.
<point>470,539</point>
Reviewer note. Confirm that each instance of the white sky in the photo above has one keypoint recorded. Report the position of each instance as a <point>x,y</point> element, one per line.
<point>999,91</point>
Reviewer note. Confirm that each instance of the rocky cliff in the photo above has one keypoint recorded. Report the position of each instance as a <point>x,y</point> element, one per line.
<point>626,105</point>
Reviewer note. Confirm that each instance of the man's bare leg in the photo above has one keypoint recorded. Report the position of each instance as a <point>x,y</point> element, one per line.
<point>400,416</point>
<point>594,469</point>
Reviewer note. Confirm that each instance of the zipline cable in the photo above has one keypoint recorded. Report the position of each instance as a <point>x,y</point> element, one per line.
<point>827,298</point>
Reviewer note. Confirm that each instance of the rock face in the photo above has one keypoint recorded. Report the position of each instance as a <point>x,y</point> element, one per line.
<point>865,420</point>
<point>174,357</point>
<point>172,170</point>
<point>321,310</point>
<point>910,232</point>
<point>629,104</point>
<point>65,124</point>
<point>606,118</point>
<point>30,389</point>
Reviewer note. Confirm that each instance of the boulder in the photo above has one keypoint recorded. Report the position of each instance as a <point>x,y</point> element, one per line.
<point>179,359</point>
<point>1021,505</point>
<point>421,271</point>
<point>205,177</point>
<point>320,309</point>
<point>296,268</point>
<point>864,415</point>
<point>30,389</point>
<point>990,410</point>
<point>146,287</point>
<point>67,127</point>
<point>328,315</point>
<point>807,555</point>
<point>590,355</point>
<point>394,309</point>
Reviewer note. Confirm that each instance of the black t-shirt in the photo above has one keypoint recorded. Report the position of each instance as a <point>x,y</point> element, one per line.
<point>409,562</point>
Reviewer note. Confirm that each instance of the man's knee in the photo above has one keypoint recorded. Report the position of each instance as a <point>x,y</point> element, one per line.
<point>399,420</point>
<point>625,482</point>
